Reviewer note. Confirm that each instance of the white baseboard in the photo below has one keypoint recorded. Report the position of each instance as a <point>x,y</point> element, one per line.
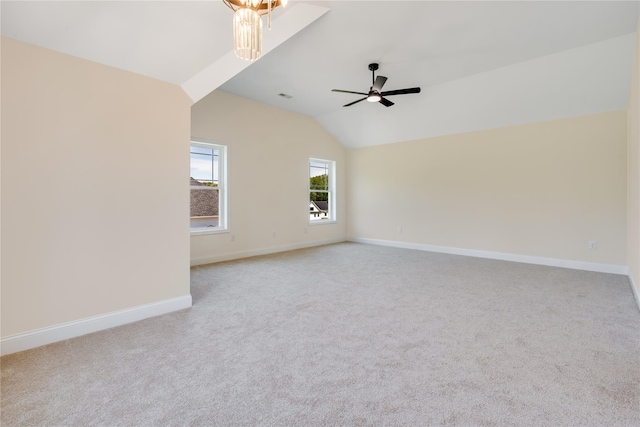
<point>527,259</point>
<point>65,331</point>
<point>634,290</point>
<point>264,251</point>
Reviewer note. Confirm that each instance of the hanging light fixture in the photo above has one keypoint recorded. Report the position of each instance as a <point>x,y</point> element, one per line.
<point>247,25</point>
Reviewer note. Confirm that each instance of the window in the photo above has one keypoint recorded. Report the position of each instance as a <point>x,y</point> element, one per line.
<point>208,187</point>
<point>322,194</point>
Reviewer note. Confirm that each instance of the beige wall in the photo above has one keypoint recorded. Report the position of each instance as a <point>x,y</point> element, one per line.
<point>268,152</point>
<point>633,213</point>
<point>95,202</point>
<point>542,189</point>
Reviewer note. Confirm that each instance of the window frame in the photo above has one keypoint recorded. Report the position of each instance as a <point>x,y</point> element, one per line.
<point>331,169</point>
<point>223,185</point>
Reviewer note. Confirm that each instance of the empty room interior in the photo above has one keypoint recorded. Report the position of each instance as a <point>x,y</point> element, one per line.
<point>313,213</point>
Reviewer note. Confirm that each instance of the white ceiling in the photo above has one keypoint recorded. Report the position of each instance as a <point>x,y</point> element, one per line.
<point>479,64</point>
<point>170,41</point>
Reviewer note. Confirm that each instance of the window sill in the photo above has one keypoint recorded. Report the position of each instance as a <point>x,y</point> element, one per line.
<point>205,231</point>
<point>323,222</point>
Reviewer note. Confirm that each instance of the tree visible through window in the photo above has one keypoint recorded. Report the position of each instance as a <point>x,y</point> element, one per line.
<point>207,187</point>
<point>321,190</point>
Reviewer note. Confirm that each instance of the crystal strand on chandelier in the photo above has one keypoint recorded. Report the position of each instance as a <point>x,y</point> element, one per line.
<point>247,34</point>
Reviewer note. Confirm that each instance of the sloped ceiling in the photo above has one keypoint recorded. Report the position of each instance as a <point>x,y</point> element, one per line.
<point>479,64</point>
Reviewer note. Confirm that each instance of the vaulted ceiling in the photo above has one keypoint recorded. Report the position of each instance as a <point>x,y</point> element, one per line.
<point>480,64</point>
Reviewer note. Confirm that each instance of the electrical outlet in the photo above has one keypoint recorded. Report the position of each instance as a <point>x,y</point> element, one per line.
<point>305,231</point>
<point>592,245</point>
<point>399,229</point>
<point>274,233</point>
<point>233,238</point>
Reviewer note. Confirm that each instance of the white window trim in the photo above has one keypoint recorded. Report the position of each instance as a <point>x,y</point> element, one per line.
<point>332,191</point>
<point>223,185</point>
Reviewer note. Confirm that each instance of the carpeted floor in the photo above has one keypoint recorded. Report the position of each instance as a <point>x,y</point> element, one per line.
<point>349,335</point>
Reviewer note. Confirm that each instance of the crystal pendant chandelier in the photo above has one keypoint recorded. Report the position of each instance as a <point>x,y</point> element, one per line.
<point>247,25</point>
<point>247,34</point>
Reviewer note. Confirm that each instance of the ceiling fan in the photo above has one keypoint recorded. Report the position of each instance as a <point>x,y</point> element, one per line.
<point>374,94</point>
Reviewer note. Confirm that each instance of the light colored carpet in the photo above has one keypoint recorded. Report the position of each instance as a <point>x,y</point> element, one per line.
<point>352,334</point>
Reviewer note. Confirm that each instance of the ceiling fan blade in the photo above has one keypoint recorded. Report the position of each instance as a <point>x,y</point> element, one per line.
<point>377,85</point>
<point>385,102</point>
<point>401,91</point>
<point>355,102</point>
<point>348,91</point>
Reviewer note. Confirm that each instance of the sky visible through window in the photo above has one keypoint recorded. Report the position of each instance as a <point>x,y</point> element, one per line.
<point>317,169</point>
<point>204,164</point>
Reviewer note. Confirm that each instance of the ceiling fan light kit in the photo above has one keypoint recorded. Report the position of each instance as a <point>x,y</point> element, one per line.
<point>247,25</point>
<point>375,94</point>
